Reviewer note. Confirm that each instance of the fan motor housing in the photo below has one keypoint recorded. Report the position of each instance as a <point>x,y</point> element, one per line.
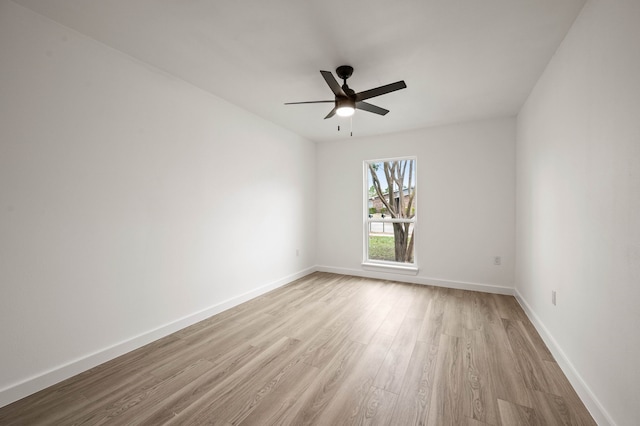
<point>344,71</point>
<point>345,102</point>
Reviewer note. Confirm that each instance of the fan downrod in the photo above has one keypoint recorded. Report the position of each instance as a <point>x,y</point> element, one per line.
<point>344,72</point>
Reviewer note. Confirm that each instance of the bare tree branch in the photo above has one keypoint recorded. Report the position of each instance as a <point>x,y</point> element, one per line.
<point>377,186</point>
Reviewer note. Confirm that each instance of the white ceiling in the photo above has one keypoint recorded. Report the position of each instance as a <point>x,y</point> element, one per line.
<point>461,59</point>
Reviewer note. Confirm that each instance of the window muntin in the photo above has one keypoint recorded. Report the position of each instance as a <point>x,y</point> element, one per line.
<point>390,213</point>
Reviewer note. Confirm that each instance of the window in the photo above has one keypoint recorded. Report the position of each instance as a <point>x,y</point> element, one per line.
<point>390,212</point>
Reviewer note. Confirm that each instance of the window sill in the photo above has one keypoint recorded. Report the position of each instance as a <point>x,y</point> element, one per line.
<point>396,269</point>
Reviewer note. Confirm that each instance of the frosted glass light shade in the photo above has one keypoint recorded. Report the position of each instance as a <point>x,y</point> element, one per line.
<point>345,111</point>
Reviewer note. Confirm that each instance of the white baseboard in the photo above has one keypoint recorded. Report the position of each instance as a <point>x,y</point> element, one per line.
<point>597,410</point>
<point>41,381</point>
<point>462,285</point>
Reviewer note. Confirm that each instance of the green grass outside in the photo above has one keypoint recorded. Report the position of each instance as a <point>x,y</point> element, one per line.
<point>381,248</point>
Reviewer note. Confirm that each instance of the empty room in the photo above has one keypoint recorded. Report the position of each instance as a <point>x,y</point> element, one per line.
<point>320,213</point>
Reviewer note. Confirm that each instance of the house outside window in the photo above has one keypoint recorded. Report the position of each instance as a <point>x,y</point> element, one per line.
<point>390,212</point>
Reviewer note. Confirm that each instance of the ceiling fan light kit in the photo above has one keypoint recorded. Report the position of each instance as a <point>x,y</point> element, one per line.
<point>345,107</point>
<point>346,100</point>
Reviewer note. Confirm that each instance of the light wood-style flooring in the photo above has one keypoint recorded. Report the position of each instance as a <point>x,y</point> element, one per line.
<point>329,350</point>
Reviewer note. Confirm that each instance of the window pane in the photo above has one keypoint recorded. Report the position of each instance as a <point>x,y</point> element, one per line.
<point>381,248</point>
<point>384,245</point>
<point>391,187</point>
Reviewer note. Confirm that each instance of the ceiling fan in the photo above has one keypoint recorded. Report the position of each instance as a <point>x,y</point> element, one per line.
<point>347,100</point>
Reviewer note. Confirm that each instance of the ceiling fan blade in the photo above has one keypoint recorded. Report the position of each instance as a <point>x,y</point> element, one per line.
<point>371,108</point>
<point>382,90</point>
<point>309,102</point>
<point>333,84</point>
<point>332,113</point>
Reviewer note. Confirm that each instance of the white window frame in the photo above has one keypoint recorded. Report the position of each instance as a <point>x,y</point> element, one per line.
<point>383,265</point>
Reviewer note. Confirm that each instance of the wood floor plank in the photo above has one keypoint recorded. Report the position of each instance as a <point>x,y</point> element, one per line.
<point>50,402</point>
<point>246,399</point>
<point>517,415</point>
<point>504,369</point>
<point>329,349</point>
<point>577,409</point>
<point>295,302</point>
<point>483,310</point>
<point>227,334</point>
<point>37,413</point>
<point>392,321</point>
<point>338,329</point>
<point>148,398</point>
<point>110,399</point>
<point>447,394</point>
<point>196,389</point>
<point>431,326</point>
<point>530,365</point>
<point>420,303</point>
<point>455,314</point>
<point>377,409</point>
<point>479,401</point>
<point>290,325</point>
<point>351,403</point>
<point>332,341</point>
<point>274,406</point>
<point>368,325</point>
<point>553,409</point>
<point>139,361</point>
<point>508,308</point>
<point>394,367</point>
<point>412,406</point>
<point>250,376</point>
<point>310,406</point>
<point>473,422</point>
<point>537,342</point>
<point>400,300</point>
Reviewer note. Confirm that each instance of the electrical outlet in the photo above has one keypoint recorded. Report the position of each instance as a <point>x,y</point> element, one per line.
<point>297,252</point>
<point>553,297</point>
<point>497,260</point>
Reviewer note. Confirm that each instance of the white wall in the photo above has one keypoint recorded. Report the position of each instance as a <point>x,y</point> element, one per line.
<point>129,201</point>
<point>578,207</point>
<point>466,204</point>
